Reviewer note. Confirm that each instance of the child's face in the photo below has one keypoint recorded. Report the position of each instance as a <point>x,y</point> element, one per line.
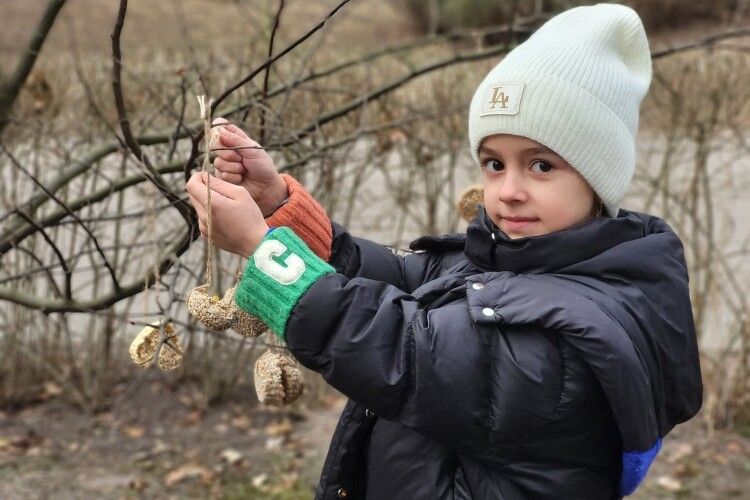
<point>533,184</point>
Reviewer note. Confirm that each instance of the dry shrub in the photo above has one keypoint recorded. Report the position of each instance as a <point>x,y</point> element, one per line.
<point>693,90</point>
<point>437,16</point>
<point>445,15</point>
<point>659,14</point>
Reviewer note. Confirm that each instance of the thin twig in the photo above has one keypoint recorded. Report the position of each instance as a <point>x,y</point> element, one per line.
<point>264,91</point>
<point>62,204</point>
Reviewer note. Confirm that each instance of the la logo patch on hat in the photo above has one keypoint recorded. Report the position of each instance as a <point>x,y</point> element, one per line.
<point>502,99</point>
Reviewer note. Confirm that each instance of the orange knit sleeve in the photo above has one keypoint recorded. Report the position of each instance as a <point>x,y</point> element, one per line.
<point>307,218</point>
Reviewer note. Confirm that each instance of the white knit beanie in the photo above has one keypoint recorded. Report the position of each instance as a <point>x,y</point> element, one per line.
<point>574,86</point>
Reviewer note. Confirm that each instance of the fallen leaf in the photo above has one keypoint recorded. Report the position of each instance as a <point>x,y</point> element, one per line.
<point>279,428</point>
<point>241,422</point>
<point>160,447</point>
<point>734,448</point>
<point>188,471</point>
<point>274,443</point>
<point>289,479</point>
<point>669,483</point>
<point>186,400</point>
<point>294,444</point>
<point>134,431</point>
<point>231,456</point>
<point>138,484</point>
<point>51,389</point>
<point>680,452</point>
<point>685,470</point>
<point>259,480</point>
<point>720,459</point>
<point>105,419</point>
<point>193,417</point>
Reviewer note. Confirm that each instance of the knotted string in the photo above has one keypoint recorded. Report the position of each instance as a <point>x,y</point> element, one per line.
<point>208,136</point>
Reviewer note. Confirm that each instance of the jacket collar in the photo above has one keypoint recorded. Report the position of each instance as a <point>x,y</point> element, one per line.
<point>490,249</point>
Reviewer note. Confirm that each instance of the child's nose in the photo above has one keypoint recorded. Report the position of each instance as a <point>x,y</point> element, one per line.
<point>513,187</point>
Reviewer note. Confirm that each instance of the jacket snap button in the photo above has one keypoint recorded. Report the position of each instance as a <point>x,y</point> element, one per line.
<point>493,236</point>
<point>342,492</point>
<point>477,286</point>
<point>488,311</point>
<point>369,413</point>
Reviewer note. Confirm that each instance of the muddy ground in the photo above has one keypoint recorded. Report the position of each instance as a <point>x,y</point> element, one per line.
<point>157,444</point>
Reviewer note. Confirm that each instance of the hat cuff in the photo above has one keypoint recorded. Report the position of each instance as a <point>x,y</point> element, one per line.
<point>570,121</point>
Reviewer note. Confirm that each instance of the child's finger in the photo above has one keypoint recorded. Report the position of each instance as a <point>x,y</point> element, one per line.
<point>229,167</point>
<point>244,145</point>
<point>231,127</point>
<point>195,203</point>
<point>194,186</point>
<point>229,177</point>
<point>225,125</point>
<point>199,209</point>
<point>221,189</point>
<point>221,148</point>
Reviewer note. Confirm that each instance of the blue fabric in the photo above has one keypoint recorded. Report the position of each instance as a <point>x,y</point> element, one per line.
<point>635,465</point>
<point>270,228</point>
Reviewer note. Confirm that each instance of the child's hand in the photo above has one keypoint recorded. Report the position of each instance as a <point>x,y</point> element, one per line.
<point>237,224</point>
<point>248,166</point>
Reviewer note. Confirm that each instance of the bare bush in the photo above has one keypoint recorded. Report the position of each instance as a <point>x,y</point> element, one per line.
<point>438,16</point>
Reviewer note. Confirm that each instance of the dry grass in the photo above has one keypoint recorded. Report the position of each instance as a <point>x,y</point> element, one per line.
<point>177,27</point>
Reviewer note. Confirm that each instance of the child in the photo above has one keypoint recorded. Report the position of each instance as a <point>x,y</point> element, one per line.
<point>542,354</point>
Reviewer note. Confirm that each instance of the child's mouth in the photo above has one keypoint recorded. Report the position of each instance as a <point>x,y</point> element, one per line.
<point>517,224</point>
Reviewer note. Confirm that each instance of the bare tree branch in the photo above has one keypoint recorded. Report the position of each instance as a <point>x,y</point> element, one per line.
<point>278,56</point>
<point>151,173</point>
<point>706,42</point>
<point>276,21</point>
<point>68,212</point>
<point>63,264</point>
<point>9,90</point>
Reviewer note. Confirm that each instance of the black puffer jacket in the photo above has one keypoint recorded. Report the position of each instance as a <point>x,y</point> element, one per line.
<point>488,368</point>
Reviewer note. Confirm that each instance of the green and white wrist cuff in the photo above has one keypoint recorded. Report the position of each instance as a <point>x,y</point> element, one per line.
<point>277,274</point>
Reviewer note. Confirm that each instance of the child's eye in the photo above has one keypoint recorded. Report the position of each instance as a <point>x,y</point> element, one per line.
<point>544,168</point>
<point>492,166</point>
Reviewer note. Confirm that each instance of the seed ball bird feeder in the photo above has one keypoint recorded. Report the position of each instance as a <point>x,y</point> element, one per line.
<point>144,346</point>
<point>215,313</point>
<point>469,202</point>
<point>278,381</point>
